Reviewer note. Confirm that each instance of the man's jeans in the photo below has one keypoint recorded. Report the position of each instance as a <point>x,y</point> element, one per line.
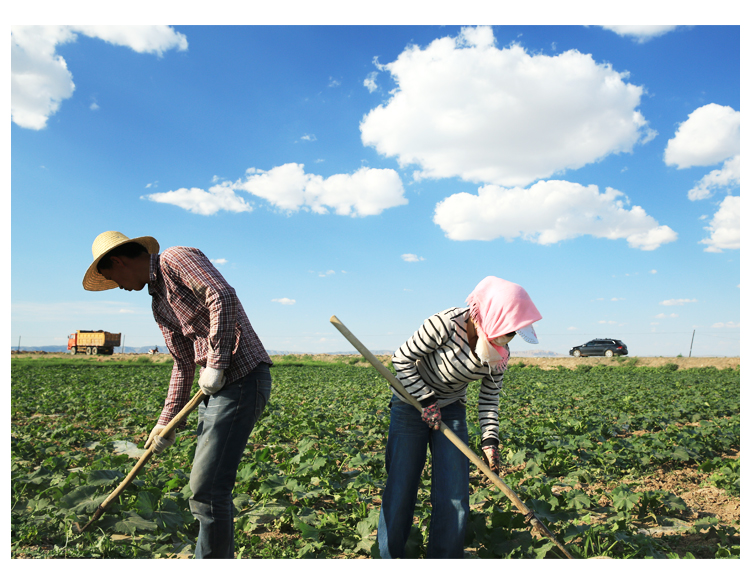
<point>225,421</point>
<point>405,454</point>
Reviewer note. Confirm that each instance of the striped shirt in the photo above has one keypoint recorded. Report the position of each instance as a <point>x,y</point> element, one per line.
<point>437,364</point>
<point>202,321</point>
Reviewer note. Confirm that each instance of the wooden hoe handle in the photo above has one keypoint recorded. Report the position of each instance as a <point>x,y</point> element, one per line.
<point>169,427</point>
<point>473,457</point>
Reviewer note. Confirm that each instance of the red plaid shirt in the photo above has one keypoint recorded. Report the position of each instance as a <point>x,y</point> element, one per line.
<point>202,321</point>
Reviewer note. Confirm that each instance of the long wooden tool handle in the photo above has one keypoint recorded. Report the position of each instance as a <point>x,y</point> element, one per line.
<point>168,428</point>
<point>455,439</point>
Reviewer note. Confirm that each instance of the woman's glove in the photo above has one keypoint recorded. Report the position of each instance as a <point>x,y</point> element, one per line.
<point>431,416</point>
<point>211,381</point>
<point>492,458</point>
<point>160,443</point>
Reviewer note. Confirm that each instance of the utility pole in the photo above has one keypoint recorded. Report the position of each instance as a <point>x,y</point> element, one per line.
<point>691,344</point>
<point>122,350</point>
<point>19,345</point>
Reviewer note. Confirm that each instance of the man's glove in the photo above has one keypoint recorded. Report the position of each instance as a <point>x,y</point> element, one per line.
<point>160,443</point>
<point>431,416</point>
<point>211,381</point>
<point>492,458</point>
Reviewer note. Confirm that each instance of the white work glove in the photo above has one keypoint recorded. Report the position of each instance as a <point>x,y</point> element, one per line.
<point>160,443</point>
<point>211,381</point>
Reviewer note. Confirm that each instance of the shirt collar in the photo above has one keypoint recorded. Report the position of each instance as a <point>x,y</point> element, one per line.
<point>153,274</point>
<point>462,317</point>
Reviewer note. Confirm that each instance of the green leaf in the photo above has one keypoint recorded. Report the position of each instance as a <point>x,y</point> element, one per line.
<point>578,499</point>
<point>272,485</point>
<point>365,545</point>
<point>133,524</point>
<point>246,473</point>
<point>541,509</point>
<point>681,454</point>
<point>541,551</point>
<point>308,531</point>
<point>84,499</point>
<point>365,527</point>
<point>358,460</point>
<point>169,520</point>
<point>518,457</point>
<point>623,499</point>
<point>145,504</point>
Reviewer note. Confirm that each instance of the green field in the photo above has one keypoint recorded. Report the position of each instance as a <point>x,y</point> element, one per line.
<point>579,446</point>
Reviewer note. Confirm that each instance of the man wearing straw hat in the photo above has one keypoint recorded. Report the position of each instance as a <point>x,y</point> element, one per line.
<point>203,324</point>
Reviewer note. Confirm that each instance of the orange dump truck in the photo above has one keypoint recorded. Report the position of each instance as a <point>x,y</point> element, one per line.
<point>93,342</point>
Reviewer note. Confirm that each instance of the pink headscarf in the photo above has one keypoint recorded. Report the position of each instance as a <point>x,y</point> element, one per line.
<point>499,307</point>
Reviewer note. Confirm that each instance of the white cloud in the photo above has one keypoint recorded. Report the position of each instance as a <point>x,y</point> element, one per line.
<point>145,38</point>
<point>662,315</point>
<point>326,273</point>
<point>726,325</point>
<point>309,137</point>
<point>677,301</point>
<point>217,198</point>
<point>546,213</point>
<point>219,261</point>
<point>284,301</point>
<point>724,227</point>
<point>411,258</point>
<point>40,79</point>
<point>710,135</point>
<point>641,33</point>
<point>370,83</point>
<point>363,193</point>
<point>728,177</point>
<point>463,107</point>
<point>652,271</point>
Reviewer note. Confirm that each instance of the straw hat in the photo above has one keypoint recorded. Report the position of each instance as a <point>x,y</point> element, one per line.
<point>103,243</point>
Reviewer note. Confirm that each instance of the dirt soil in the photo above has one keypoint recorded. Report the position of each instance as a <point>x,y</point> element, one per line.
<point>548,363</point>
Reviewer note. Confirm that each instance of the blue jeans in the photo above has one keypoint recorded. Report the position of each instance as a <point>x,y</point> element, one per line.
<point>225,421</point>
<point>405,454</point>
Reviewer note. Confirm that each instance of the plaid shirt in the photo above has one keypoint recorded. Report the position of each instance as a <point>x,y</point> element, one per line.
<point>202,321</point>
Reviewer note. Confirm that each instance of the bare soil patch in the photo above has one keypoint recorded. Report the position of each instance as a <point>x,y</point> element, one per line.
<point>551,363</point>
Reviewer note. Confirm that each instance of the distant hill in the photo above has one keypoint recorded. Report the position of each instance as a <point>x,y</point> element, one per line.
<point>343,353</point>
<point>163,349</point>
<point>524,353</point>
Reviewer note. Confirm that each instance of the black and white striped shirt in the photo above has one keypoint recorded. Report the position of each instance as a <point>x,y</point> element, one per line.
<point>437,364</point>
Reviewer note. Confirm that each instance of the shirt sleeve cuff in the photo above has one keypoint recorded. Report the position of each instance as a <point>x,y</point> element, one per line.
<point>427,401</point>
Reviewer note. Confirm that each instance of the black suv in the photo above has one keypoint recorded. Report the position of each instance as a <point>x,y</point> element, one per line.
<point>599,347</point>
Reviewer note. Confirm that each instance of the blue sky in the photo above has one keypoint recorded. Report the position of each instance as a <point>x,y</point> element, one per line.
<point>378,173</point>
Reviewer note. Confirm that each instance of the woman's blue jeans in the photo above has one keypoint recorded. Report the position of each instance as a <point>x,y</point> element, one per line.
<point>225,421</point>
<point>405,454</point>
